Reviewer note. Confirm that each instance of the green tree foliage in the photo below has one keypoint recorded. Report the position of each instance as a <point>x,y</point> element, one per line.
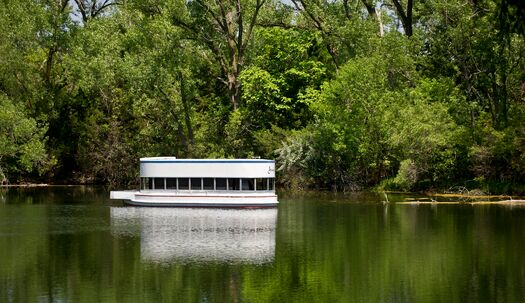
<point>346,94</point>
<point>138,90</point>
<point>377,114</point>
<point>278,87</point>
<point>424,136</point>
<point>26,33</point>
<point>480,47</point>
<point>225,28</point>
<point>22,143</point>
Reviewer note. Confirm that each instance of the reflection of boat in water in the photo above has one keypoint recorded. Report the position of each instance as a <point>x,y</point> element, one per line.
<point>188,234</point>
<point>167,181</point>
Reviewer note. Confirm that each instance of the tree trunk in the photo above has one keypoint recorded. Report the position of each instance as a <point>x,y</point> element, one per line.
<point>187,118</point>
<point>233,90</point>
<point>180,130</point>
<point>347,10</point>
<point>227,19</point>
<point>405,16</point>
<point>372,12</point>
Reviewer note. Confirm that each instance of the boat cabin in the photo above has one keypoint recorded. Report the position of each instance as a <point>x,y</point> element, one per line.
<point>168,181</point>
<point>172,174</point>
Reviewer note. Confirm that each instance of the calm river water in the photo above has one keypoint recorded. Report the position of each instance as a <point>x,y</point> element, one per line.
<point>72,244</point>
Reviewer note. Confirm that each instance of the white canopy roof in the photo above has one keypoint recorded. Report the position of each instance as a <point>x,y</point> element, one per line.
<point>171,167</point>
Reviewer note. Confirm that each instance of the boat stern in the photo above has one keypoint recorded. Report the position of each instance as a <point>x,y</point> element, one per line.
<point>122,194</point>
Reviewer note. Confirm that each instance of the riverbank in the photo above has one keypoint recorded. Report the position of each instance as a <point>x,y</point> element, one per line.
<point>25,185</point>
<point>491,189</point>
<point>503,202</point>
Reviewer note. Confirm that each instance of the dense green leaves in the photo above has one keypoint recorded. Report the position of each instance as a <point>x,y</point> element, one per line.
<point>22,143</point>
<point>346,94</point>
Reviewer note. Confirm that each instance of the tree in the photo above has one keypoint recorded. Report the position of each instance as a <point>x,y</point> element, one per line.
<point>22,53</point>
<point>225,28</point>
<point>136,91</point>
<point>285,69</point>
<point>285,65</point>
<point>316,12</point>
<point>90,9</point>
<point>22,143</point>
<point>486,60</point>
<point>377,119</point>
<point>405,15</point>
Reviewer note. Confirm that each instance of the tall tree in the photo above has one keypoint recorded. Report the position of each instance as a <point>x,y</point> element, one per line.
<point>90,9</point>
<point>405,15</point>
<point>22,142</point>
<point>225,28</point>
<point>315,11</point>
<point>372,11</point>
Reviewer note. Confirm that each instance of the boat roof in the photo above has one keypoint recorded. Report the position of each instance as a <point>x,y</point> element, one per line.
<point>175,160</point>
<point>171,167</point>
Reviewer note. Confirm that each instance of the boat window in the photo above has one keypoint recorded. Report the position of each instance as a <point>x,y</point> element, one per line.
<point>271,183</point>
<point>143,183</point>
<point>220,183</point>
<point>149,183</point>
<point>171,183</point>
<point>261,184</point>
<point>196,183</point>
<point>184,183</point>
<point>247,184</point>
<point>159,183</point>
<point>207,183</point>
<point>233,183</point>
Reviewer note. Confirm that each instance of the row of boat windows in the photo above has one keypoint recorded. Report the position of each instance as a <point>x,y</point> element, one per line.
<point>208,183</point>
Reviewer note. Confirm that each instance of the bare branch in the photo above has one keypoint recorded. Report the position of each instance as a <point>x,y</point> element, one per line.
<point>82,9</point>
<point>93,10</point>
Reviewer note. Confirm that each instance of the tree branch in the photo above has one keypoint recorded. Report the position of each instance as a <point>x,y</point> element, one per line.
<point>258,6</point>
<point>214,16</point>
<point>104,6</point>
<point>82,9</point>
<point>406,17</point>
<point>240,43</point>
<point>347,10</point>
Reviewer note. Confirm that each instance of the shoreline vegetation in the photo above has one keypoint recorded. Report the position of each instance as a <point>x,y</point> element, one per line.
<point>451,192</point>
<point>473,198</point>
<point>345,95</point>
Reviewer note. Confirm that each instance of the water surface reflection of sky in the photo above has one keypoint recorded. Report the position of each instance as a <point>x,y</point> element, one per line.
<point>199,235</point>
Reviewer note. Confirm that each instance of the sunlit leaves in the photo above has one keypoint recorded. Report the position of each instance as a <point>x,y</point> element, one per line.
<point>22,142</point>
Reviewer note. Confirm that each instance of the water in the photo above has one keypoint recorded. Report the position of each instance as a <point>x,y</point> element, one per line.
<point>72,244</point>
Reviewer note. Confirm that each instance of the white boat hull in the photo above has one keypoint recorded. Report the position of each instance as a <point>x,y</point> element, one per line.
<point>228,199</point>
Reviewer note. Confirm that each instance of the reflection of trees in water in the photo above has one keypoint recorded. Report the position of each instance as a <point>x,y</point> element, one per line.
<point>187,234</point>
<point>324,251</point>
<point>357,252</point>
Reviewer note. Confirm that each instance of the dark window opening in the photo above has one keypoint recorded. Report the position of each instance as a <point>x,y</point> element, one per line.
<point>159,183</point>
<point>233,183</point>
<point>196,183</point>
<point>247,184</point>
<point>261,184</point>
<point>184,184</point>
<point>207,183</point>
<point>171,183</point>
<point>220,183</point>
